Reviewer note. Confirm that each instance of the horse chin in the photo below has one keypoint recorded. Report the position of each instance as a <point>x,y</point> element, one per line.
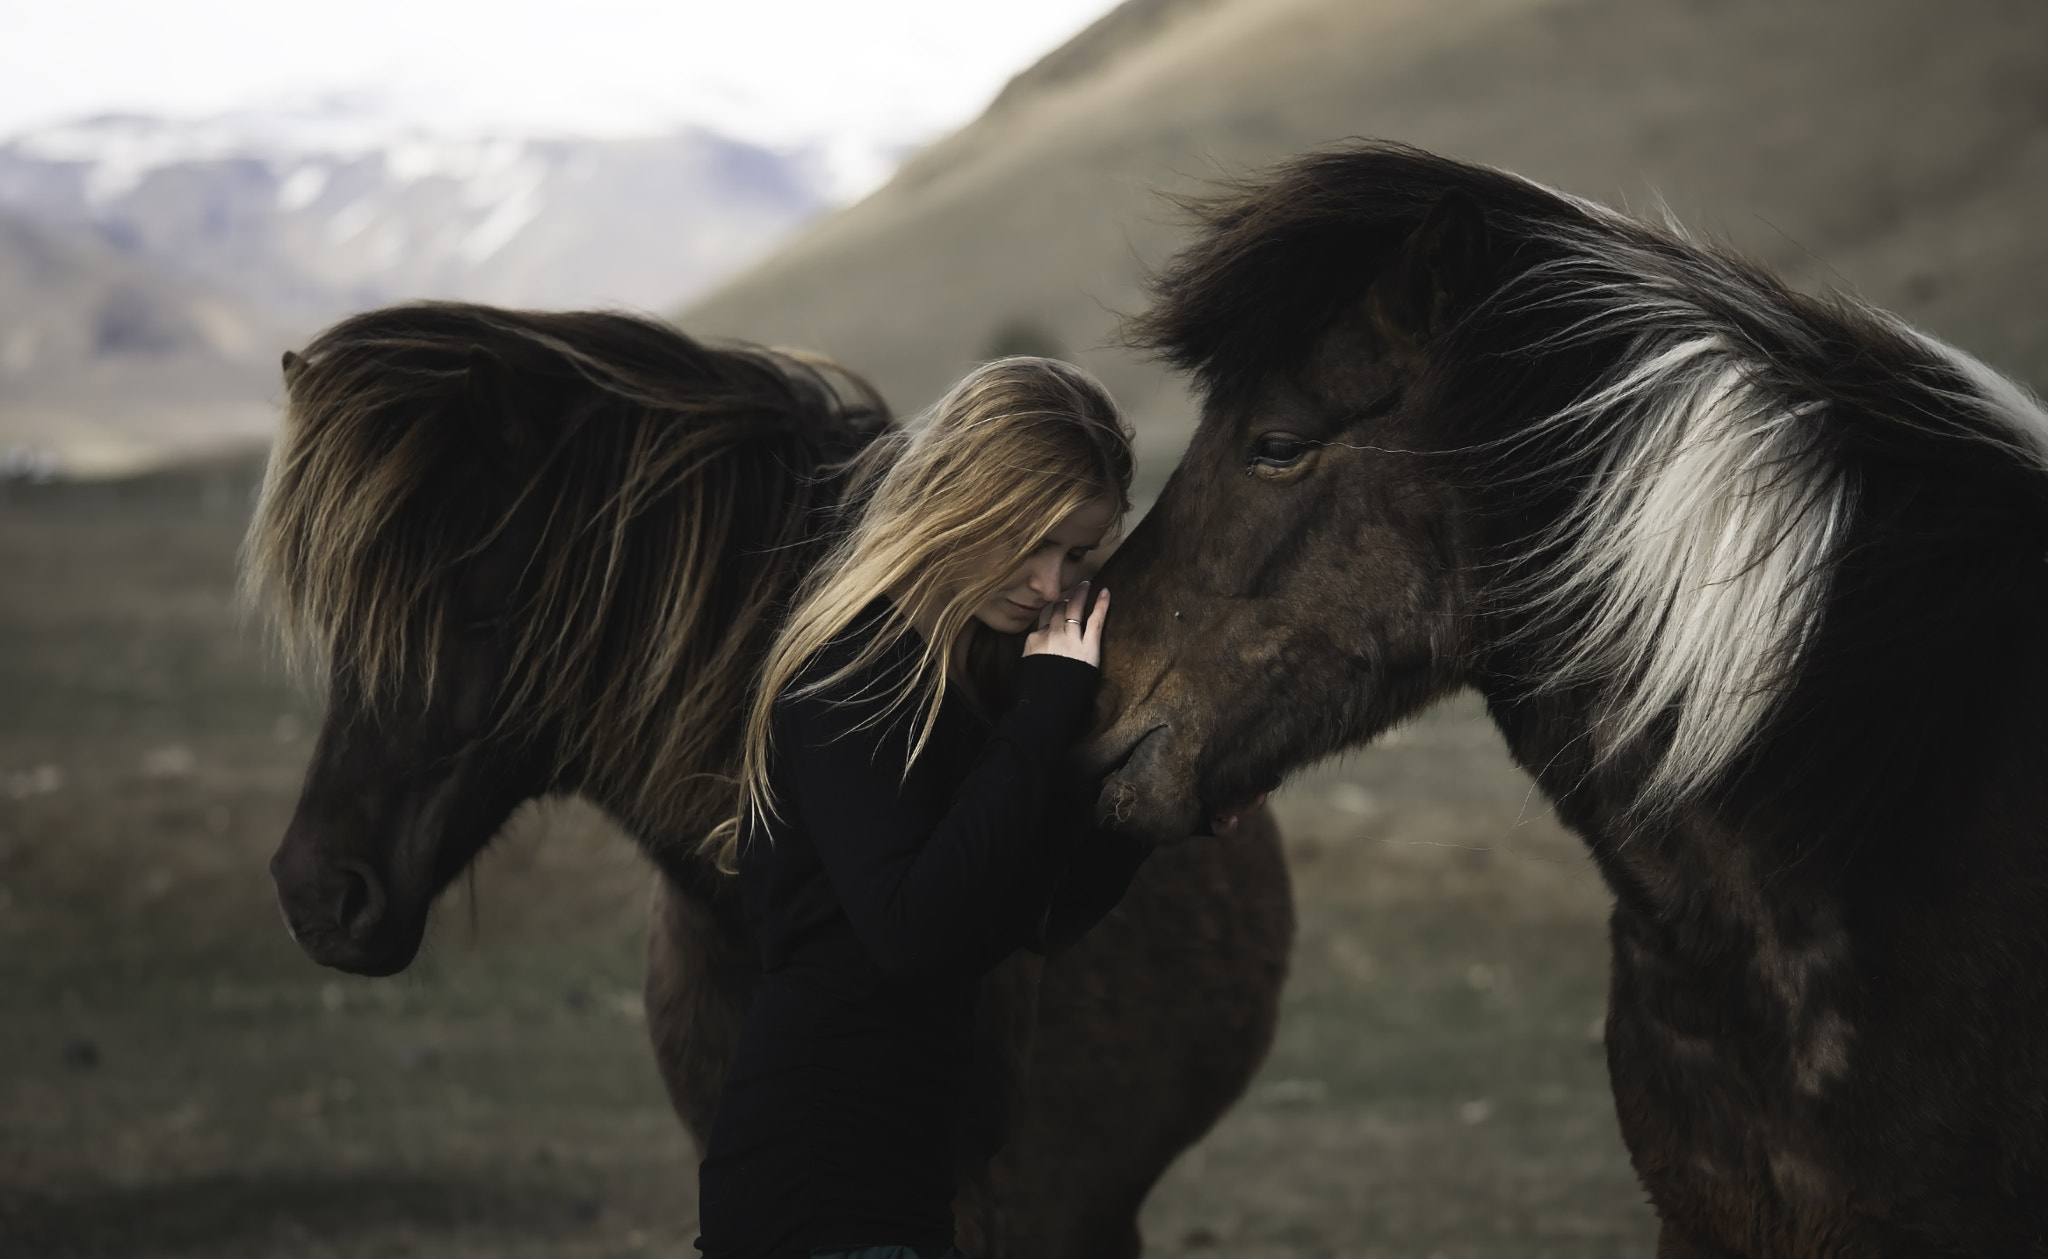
<point>384,949</point>
<point>391,952</point>
<point>1151,797</point>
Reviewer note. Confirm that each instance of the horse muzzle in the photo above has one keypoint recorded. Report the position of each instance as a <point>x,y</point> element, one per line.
<point>1150,794</point>
<point>341,911</point>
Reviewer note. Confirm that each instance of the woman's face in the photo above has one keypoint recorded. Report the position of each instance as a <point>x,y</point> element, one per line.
<point>1054,565</point>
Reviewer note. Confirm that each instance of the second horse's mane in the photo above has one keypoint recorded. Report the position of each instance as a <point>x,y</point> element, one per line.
<point>671,489</point>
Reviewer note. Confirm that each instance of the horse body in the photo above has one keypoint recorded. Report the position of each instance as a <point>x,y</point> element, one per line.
<point>1093,1068</point>
<point>1829,1044</point>
<point>1753,585</point>
<point>541,555</point>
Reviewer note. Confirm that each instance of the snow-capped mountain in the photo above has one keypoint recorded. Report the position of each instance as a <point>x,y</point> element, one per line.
<point>334,207</point>
<point>152,269</point>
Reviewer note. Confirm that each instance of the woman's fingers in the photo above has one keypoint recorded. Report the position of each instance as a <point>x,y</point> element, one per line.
<point>1098,616</point>
<point>1068,632</point>
<point>1070,610</point>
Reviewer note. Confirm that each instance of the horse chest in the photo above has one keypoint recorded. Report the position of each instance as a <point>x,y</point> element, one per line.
<point>1732,1046</point>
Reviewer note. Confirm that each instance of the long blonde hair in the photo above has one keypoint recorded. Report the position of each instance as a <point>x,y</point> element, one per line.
<point>995,465</point>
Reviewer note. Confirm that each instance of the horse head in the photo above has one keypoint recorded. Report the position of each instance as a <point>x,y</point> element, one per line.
<point>1461,429</point>
<point>537,554</point>
<point>1302,581</point>
<point>416,766</point>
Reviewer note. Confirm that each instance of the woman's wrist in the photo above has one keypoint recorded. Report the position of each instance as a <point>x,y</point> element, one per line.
<point>1054,696</point>
<point>1070,627</point>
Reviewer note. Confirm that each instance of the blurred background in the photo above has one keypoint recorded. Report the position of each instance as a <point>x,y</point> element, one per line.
<point>910,186</point>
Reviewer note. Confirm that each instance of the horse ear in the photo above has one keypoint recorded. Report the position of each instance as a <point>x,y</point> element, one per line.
<point>490,402</point>
<point>1440,269</point>
<point>291,366</point>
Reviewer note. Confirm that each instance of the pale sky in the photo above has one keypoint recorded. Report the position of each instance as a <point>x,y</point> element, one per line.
<point>861,73</point>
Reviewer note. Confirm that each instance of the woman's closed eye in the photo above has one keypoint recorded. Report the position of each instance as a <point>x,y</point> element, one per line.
<point>1069,555</point>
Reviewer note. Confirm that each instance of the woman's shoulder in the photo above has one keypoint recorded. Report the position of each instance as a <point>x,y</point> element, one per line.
<point>869,661</point>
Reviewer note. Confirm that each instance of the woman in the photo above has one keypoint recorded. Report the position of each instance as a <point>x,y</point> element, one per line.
<point>908,818</point>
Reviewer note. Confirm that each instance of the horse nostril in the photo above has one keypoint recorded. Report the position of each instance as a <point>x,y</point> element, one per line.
<point>362,898</point>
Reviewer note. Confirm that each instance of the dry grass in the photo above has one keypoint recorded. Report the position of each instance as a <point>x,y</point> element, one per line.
<point>176,1079</point>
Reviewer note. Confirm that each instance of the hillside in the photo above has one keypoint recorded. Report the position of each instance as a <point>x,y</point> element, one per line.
<point>1893,147</point>
<point>107,361</point>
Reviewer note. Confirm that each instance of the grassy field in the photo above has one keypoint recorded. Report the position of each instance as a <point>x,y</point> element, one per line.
<point>176,1079</point>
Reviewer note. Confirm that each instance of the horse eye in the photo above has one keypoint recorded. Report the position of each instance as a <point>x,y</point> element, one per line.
<point>1278,450</point>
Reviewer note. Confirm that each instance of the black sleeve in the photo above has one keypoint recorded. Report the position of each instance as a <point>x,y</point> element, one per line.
<point>934,883</point>
<point>1099,868</point>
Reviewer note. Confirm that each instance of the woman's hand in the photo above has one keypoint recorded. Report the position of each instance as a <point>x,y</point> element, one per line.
<point>1224,822</point>
<point>1064,633</point>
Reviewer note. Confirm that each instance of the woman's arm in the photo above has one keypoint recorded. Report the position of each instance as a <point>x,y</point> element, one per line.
<point>1098,872</point>
<point>933,884</point>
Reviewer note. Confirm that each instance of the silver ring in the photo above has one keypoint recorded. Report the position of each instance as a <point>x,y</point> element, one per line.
<point>1073,620</point>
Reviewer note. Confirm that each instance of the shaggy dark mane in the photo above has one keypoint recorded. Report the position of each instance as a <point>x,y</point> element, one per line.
<point>672,481</point>
<point>1729,444</point>
<point>1277,260</point>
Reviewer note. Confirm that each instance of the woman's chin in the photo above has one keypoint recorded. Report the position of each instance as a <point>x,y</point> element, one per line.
<point>1011,619</point>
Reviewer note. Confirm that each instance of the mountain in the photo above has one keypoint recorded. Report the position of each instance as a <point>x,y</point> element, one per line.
<point>1892,147</point>
<point>107,361</point>
<point>326,211</point>
<point>225,240</point>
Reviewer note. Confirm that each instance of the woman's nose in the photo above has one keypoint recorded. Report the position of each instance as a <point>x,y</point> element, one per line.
<point>1045,580</point>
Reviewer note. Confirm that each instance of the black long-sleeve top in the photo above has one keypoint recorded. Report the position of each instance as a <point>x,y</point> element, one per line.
<point>880,897</point>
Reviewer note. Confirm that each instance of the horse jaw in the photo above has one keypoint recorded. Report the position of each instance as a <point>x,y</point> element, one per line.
<point>1151,796</point>
<point>371,845</point>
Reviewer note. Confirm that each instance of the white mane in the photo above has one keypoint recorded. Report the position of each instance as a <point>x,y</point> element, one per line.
<point>1689,575</point>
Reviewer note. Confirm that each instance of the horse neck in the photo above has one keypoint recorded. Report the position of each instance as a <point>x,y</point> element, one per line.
<point>668,802</point>
<point>1693,878</point>
<point>673,851</point>
<point>1868,799</point>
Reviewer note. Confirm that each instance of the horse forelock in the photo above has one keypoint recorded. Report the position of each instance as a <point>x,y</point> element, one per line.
<point>1712,484</point>
<point>1276,260</point>
<point>672,485</point>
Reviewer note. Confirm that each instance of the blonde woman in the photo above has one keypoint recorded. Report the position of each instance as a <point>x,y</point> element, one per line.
<point>908,817</point>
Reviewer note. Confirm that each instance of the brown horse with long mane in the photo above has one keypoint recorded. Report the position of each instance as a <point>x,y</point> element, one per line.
<point>542,554</point>
<point>1753,584</point>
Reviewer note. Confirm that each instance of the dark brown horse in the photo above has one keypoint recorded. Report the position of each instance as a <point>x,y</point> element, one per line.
<point>1753,584</point>
<point>541,554</point>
